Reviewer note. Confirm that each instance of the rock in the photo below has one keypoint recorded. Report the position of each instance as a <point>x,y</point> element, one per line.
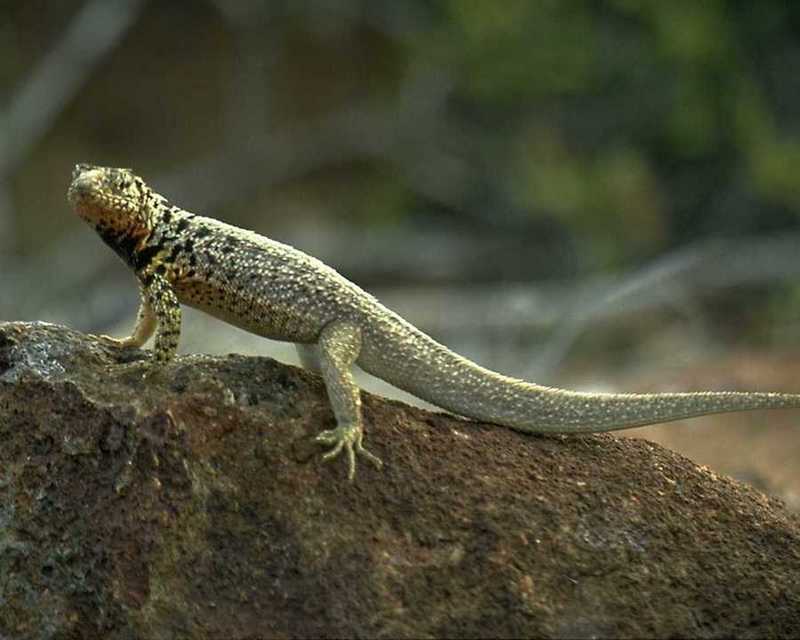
<point>190,504</point>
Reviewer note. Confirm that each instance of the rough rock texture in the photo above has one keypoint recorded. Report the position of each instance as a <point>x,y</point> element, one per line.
<point>191,505</point>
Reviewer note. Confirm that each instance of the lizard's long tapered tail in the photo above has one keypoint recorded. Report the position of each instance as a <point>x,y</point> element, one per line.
<point>430,371</point>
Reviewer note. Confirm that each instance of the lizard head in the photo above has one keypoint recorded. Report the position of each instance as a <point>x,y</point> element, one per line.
<point>109,199</point>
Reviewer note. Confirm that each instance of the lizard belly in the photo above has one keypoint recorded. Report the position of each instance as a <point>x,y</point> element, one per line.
<point>261,316</point>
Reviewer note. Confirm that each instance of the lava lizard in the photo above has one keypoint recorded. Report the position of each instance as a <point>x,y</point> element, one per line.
<point>276,291</point>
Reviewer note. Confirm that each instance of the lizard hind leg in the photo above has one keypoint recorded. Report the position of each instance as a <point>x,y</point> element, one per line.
<point>338,348</point>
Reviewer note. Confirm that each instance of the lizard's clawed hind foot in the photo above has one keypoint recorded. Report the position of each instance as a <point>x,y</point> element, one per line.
<point>347,438</point>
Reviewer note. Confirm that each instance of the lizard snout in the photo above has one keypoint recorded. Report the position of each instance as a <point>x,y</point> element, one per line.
<point>85,179</point>
<point>80,168</point>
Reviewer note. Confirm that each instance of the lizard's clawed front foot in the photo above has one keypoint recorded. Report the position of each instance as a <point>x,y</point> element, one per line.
<point>121,343</point>
<point>348,438</point>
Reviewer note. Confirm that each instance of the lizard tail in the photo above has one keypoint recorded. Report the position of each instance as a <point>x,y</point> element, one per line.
<point>420,365</point>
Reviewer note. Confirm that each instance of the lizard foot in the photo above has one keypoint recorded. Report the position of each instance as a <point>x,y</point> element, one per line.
<point>347,438</point>
<point>122,343</point>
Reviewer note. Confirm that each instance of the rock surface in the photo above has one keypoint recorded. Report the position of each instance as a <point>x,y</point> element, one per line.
<point>191,504</point>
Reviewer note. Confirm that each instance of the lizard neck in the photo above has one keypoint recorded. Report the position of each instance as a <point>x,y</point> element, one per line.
<point>149,236</point>
<point>126,243</point>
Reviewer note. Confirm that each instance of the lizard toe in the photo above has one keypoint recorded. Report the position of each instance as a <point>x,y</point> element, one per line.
<point>373,459</point>
<point>111,341</point>
<point>347,438</point>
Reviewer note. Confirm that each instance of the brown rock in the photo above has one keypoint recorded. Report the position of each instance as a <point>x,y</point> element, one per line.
<point>189,505</point>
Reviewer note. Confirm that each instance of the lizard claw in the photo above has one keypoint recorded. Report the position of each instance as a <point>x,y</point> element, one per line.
<point>347,438</point>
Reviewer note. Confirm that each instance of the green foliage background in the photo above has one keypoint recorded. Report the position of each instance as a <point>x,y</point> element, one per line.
<point>645,120</point>
<point>617,128</point>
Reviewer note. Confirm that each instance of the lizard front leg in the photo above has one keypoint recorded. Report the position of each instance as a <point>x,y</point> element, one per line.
<point>161,298</point>
<point>338,347</point>
<point>145,325</point>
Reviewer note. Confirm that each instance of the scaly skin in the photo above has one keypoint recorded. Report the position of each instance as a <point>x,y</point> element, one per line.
<point>276,291</point>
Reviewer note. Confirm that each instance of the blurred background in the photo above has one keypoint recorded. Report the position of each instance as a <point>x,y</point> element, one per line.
<point>601,195</point>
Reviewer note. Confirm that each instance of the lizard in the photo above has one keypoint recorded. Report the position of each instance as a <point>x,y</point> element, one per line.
<point>277,291</point>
